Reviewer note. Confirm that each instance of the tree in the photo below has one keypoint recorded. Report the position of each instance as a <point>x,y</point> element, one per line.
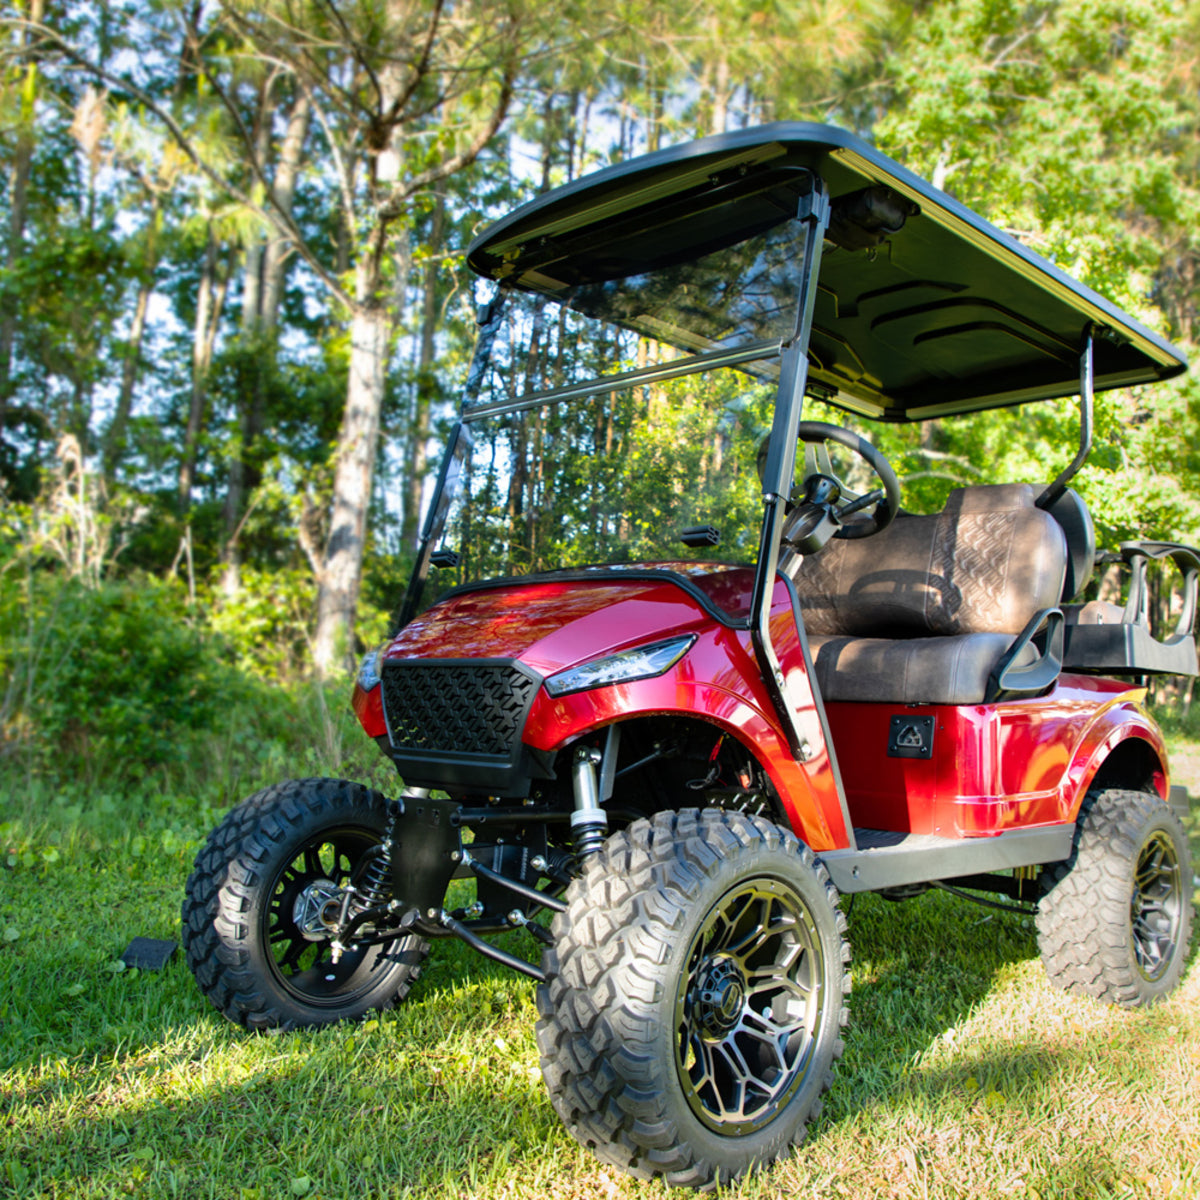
<point>402,95</point>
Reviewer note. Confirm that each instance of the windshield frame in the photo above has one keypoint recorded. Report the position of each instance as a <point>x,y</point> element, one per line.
<point>811,223</point>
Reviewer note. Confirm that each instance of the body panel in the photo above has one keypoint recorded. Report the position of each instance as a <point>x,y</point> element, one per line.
<point>550,625</point>
<point>1017,764</point>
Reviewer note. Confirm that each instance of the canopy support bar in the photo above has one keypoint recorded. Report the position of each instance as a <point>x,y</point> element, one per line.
<point>1087,376</point>
<point>780,467</point>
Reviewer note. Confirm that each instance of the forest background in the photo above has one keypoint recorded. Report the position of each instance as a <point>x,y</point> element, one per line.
<point>234,310</point>
<point>234,316</point>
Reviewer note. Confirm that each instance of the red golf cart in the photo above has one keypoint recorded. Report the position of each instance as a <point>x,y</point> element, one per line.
<point>676,669</point>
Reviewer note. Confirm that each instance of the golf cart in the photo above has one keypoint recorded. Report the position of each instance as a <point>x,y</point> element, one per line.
<point>676,670</point>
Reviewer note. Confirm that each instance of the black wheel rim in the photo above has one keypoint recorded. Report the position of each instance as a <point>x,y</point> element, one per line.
<point>1156,907</point>
<point>748,1006</point>
<point>304,967</point>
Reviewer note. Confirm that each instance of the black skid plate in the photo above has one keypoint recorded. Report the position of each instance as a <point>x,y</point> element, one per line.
<point>427,848</point>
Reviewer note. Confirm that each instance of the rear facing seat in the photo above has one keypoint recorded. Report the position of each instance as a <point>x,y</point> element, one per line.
<point>925,611</point>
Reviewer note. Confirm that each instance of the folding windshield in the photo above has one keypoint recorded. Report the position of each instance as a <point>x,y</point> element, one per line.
<point>732,306</point>
<point>620,422</point>
<point>739,296</point>
<point>616,478</point>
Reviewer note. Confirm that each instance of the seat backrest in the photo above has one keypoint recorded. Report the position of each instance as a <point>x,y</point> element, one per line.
<point>985,564</point>
<point>1072,514</point>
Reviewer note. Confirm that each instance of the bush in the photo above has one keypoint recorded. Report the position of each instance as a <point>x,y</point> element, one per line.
<point>109,678</point>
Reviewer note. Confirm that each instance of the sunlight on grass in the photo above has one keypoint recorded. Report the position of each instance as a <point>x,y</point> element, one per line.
<point>966,1074</point>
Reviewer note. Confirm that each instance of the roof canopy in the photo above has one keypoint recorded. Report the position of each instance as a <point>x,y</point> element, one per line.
<point>947,315</point>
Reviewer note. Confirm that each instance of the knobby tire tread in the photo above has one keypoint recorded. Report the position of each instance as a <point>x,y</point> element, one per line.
<point>221,890</point>
<point>1083,915</point>
<point>623,916</point>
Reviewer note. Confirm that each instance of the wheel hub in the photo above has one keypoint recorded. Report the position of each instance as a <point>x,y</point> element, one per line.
<point>719,997</point>
<point>318,910</point>
<point>1156,906</point>
<point>748,1008</point>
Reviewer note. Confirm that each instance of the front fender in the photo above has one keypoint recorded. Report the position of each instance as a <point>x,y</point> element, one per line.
<point>717,681</point>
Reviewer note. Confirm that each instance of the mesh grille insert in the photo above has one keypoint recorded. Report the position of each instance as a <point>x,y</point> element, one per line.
<point>456,707</point>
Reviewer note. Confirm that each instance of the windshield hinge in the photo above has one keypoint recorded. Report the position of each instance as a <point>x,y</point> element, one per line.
<point>814,206</point>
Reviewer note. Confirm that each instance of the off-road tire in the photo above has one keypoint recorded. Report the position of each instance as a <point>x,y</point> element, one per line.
<point>250,858</point>
<point>637,976</point>
<point>1114,921</point>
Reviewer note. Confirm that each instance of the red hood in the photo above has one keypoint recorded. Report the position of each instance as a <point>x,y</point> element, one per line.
<point>552,624</point>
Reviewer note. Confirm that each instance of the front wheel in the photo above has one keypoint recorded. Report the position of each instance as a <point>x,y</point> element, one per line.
<point>264,897</point>
<point>1115,920</point>
<point>695,997</point>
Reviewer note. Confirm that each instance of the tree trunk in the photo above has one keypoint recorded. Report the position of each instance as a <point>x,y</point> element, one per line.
<point>426,383</point>
<point>275,257</point>
<point>114,436</point>
<point>18,208</point>
<point>720,98</point>
<point>243,473</point>
<point>209,303</point>
<point>341,571</point>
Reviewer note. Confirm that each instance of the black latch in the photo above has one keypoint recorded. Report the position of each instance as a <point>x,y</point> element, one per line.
<point>444,558</point>
<point>700,535</point>
<point>910,737</point>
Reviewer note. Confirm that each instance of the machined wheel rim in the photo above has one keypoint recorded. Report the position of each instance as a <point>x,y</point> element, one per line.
<point>748,1006</point>
<point>1156,907</point>
<point>303,964</point>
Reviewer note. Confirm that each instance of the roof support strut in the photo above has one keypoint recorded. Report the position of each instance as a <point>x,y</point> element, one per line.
<point>1087,377</point>
<point>781,460</point>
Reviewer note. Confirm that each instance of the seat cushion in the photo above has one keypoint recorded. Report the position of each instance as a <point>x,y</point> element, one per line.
<point>928,670</point>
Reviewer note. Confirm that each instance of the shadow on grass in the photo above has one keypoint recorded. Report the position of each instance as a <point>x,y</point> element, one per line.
<point>445,1093</point>
<point>444,1089</point>
<point>444,1096</point>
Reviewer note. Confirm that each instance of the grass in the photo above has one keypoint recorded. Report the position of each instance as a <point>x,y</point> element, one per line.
<point>966,1074</point>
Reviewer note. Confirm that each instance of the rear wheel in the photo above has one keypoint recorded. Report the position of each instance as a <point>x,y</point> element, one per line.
<point>695,997</point>
<point>1115,920</point>
<point>263,898</point>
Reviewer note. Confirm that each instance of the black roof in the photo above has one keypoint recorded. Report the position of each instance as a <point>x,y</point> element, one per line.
<point>948,315</point>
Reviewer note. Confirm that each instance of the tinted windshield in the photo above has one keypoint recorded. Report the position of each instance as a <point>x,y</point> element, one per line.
<point>620,422</point>
<point>740,294</point>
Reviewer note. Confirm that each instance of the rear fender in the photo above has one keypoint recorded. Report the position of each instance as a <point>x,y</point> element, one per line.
<point>1123,748</point>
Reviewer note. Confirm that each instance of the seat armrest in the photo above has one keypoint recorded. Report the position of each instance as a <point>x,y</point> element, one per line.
<point>1008,680</point>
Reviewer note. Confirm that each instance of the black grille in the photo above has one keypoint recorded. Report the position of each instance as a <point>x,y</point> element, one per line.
<point>456,707</point>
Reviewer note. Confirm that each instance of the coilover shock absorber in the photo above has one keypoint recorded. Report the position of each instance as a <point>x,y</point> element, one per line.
<point>370,887</point>
<point>589,822</point>
<point>373,885</point>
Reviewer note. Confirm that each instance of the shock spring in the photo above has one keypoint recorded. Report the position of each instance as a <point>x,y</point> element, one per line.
<point>373,888</point>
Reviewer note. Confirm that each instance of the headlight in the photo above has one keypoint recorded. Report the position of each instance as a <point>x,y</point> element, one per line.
<point>368,671</point>
<point>643,663</point>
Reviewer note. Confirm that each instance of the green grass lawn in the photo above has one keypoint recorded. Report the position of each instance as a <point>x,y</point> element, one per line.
<point>966,1074</point>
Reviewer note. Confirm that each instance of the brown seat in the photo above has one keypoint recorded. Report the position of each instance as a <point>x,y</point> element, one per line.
<point>924,612</point>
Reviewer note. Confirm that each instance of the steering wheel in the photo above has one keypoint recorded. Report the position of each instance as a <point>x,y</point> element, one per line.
<point>828,508</point>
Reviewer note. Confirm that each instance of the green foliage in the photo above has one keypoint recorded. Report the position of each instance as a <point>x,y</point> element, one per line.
<point>1072,126</point>
<point>108,681</point>
<point>1054,121</point>
<point>265,624</point>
